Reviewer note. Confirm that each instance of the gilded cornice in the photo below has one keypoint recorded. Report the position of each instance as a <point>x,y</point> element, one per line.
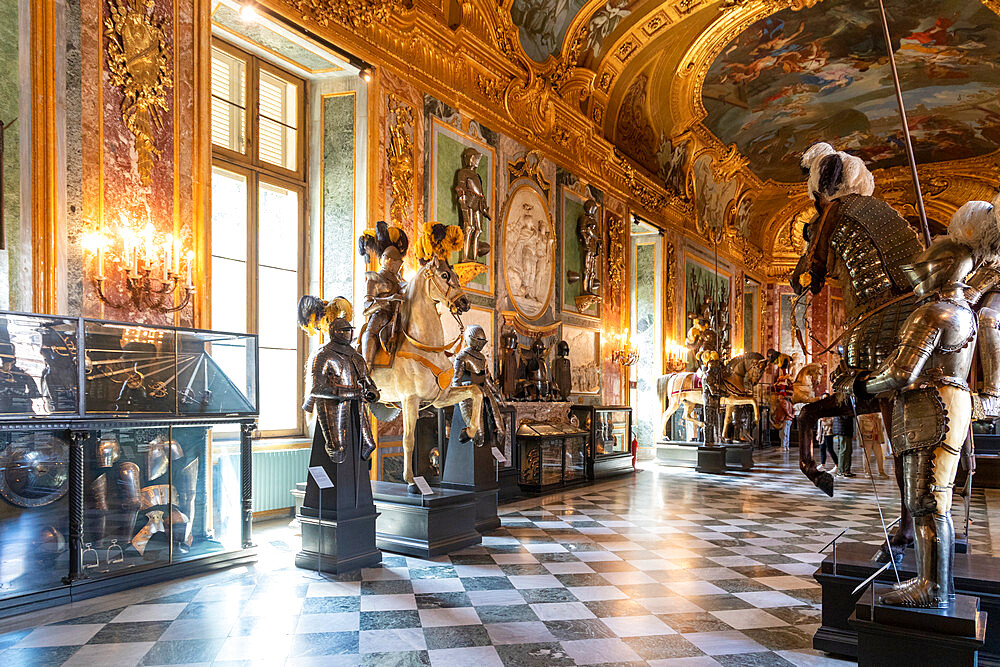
<point>479,66</point>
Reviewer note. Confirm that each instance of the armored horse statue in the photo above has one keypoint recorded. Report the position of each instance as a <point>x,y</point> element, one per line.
<point>421,370</point>
<point>740,375</point>
<point>862,242</point>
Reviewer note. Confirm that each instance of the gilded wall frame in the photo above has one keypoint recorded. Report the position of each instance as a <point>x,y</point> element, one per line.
<point>570,208</point>
<point>442,178</point>
<point>527,222</point>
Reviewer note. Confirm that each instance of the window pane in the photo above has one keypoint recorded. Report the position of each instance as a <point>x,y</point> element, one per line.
<point>229,295</point>
<point>279,391</point>
<point>278,116</point>
<point>278,225</point>
<point>229,214</point>
<point>278,296</point>
<point>228,101</point>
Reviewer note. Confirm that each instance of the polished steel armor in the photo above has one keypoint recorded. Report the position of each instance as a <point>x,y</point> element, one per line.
<point>472,368</point>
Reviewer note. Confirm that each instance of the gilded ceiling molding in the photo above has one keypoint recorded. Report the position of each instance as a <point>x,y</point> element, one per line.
<point>506,92</point>
<point>353,13</point>
<point>139,66</point>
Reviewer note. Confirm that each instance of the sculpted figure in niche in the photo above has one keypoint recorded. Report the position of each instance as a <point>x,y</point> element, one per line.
<point>588,231</point>
<point>472,205</point>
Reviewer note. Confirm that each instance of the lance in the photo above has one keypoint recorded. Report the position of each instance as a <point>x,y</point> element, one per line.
<point>924,228</point>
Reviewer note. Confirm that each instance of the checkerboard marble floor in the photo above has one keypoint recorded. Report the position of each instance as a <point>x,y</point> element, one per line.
<point>668,567</point>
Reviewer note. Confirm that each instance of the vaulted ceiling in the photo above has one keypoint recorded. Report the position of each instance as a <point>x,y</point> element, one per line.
<point>718,98</point>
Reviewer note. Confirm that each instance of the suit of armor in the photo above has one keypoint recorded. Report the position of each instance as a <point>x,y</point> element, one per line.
<point>589,233</point>
<point>472,203</point>
<point>471,369</point>
<point>712,392</point>
<point>384,292</point>
<point>534,371</point>
<point>340,380</point>
<point>930,422</point>
<point>508,363</point>
<point>562,374</point>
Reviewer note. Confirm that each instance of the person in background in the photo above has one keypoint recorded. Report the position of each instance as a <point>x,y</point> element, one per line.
<point>783,412</point>
<point>872,442</point>
<point>843,435</point>
<point>824,437</point>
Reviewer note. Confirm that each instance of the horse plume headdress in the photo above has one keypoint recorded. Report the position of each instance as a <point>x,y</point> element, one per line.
<point>835,173</point>
<point>977,225</point>
<point>439,241</point>
<point>373,242</point>
<point>315,314</point>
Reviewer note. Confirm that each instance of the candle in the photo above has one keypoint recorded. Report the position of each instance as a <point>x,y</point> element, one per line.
<point>189,256</point>
<point>167,248</point>
<point>100,255</point>
<point>176,257</point>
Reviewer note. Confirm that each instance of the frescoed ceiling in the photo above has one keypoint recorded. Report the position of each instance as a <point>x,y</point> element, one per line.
<point>746,85</point>
<point>795,78</point>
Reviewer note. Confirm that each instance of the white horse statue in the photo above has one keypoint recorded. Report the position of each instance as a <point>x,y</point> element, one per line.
<point>741,375</point>
<point>421,372</point>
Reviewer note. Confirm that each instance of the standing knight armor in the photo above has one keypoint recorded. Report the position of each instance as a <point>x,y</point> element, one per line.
<point>534,371</point>
<point>340,381</point>
<point>562,374</point>
<point>471,368</point>
<point>929,370</point>
<point>508,362</point>
<point>712,392</point>
<point>472,204</point>
<point>588,232</point>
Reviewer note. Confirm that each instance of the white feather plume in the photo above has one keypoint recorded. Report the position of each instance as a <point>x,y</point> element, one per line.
<point>975,225</point>
<point>857,179</point>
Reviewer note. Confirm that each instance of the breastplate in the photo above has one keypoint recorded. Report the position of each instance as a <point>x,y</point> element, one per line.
<point>951,362</point>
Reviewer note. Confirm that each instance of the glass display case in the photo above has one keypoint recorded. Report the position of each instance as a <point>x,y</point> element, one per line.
<point>610,442</point>
<point>124,453</point>
<point>551,455</point>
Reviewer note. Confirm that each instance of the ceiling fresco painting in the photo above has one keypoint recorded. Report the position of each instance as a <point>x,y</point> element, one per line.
<point>798,77</point>
<point>542,24</point>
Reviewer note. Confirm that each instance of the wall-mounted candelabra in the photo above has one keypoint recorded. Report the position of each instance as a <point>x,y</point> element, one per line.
<point>155,267</point>
<point>675,357</point>
<point>622,352</point>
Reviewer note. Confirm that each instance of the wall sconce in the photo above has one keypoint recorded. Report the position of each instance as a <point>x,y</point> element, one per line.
<point>149,261</point>
<point>622,352</point>
<point>675,357</point>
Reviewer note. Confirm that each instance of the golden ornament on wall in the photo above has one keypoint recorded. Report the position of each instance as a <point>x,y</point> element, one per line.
<point>399,154</point>
<point>138,64</point>
<point>616,252</point>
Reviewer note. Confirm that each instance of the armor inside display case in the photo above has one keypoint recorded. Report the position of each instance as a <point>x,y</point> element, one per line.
<point>143,432</point>
<point>34,511</point>
<point>552,454</point>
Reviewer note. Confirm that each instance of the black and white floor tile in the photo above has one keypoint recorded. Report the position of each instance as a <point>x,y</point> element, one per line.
<point>667,567</point>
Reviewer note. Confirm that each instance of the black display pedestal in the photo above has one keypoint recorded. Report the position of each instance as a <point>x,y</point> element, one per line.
<point>417,525</point>
<point>711,459</point>
<point>343,538</point>
<point>975,575</point>
<point>891,635</point>
<point>739,457</point>
<point>473,469</point>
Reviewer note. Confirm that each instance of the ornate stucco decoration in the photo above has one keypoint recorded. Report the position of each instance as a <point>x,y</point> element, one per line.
<point>669,267</point>
<point>650,199</point>
<point>616,252</point>
<point>399,154</point>
<point>138,64</point>
<point>353,13</point>
<point>529,166</point>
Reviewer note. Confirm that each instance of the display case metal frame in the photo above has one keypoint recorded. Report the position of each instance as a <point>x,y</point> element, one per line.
<point>79,425</point>
<point>604,465</point>
<point>528,442</point>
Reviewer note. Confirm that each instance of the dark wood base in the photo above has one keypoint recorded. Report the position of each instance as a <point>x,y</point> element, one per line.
<point>508,488</point>
<point>739,457</point>
<point>424,526</point>
<point>677,453</point>
<point>337,546</point>
<point>894,635</point>
<point>610,466</point>
<point>711,460</point>
<point>975,575</point>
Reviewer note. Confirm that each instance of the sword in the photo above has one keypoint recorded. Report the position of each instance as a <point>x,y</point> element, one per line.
<point>878,503</point>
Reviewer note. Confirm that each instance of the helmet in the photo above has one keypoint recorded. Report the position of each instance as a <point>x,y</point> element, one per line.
<point>341,331</point>
<point>562,349</point>
<point>944,264</point>
<point>475,337</point>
